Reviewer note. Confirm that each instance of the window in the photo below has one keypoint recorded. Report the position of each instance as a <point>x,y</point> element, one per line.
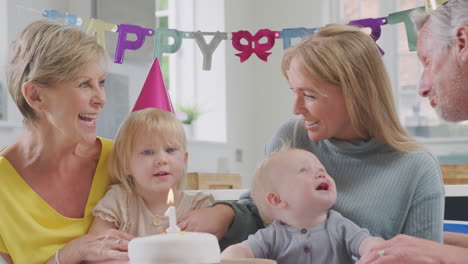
<point>190,85</point>
<point>162,14</point>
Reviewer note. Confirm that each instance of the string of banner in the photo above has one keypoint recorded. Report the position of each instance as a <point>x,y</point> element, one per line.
<point>97,27</point>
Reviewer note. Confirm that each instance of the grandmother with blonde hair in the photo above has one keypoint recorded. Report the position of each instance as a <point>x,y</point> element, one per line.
<point>55,173</point>
<point>387,183</point>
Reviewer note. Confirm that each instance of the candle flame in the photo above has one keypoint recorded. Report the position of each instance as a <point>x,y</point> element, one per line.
<point>170,197</point>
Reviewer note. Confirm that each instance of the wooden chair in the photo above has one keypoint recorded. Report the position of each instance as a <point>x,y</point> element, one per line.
<point>218,194</point>
<point>454,173</point>
<point>210,181</point>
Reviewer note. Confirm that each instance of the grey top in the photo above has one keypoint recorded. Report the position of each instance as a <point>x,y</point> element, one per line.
<point>335,240</point>
<point>383,190</point>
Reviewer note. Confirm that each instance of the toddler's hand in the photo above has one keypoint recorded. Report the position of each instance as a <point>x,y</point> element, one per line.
<point>215,220</point>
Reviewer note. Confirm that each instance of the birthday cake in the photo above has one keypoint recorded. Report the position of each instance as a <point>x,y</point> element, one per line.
<point>180,248</point>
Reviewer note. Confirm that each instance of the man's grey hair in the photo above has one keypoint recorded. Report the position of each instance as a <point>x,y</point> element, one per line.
<point>444,21</point>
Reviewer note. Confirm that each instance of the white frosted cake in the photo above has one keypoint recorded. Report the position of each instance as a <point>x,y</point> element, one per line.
<point>181,248</point>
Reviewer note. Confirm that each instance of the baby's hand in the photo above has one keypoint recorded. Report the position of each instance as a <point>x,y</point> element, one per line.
<point>239,250</point>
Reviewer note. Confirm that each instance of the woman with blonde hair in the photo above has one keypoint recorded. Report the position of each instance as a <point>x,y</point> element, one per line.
<point>55,173</point>
<point>386,182</point>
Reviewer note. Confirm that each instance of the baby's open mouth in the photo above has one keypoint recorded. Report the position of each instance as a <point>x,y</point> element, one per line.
<point>323,187</point>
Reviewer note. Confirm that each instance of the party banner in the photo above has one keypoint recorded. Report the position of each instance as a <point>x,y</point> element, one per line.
<point>245,42</point>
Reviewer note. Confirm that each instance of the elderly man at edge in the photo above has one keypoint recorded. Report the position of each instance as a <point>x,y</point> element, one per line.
<point>443,50</point>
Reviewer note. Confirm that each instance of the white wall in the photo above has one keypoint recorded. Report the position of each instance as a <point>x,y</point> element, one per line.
<point>191,80</point>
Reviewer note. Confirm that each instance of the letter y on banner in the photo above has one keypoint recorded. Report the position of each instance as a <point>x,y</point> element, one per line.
<point>208,49</point>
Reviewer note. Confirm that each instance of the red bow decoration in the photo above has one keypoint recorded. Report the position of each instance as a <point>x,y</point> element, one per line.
<point>260,49</point>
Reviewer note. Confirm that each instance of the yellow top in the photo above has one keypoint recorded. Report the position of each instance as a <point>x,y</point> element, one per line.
<point>30,230</point>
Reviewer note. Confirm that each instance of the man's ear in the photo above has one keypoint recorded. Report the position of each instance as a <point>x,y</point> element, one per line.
<point>462,42</point>
<point>275,201</point>
<point>32,94</point>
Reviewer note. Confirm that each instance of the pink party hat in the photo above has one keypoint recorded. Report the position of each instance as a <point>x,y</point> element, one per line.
<point>154,93</point>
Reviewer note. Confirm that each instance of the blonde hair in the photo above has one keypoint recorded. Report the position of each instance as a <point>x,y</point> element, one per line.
<point>153,123</point>
<point>263,183</point>
<point>47,53</point>
<point>347,57</point>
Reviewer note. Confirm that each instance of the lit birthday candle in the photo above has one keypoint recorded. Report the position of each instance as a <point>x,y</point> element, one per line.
<point>171,213</point>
